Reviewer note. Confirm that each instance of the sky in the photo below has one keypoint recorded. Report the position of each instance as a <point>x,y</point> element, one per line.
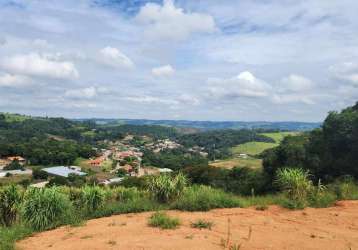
<point>240,60</point>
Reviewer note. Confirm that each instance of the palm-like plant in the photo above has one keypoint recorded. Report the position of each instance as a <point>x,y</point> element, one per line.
<point>10,198</point>
<point>165,188</point>
<point>296,183</point>
<point>44,208</point>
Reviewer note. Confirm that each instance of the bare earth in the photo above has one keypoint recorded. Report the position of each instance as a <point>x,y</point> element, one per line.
<point>275,228</point>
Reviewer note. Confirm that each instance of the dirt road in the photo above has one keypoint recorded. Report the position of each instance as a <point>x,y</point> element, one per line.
<point>275,228</point>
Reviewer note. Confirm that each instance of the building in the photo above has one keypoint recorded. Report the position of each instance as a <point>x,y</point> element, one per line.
<point>20,159</point>
<point>111,181</point>
<point>64,171</point>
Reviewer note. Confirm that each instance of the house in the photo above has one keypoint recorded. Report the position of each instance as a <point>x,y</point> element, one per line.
<point>64,171</point>
<point>4,163</point>
<point>96,162</point>
<point>244,156</point>
<point>20,159</point>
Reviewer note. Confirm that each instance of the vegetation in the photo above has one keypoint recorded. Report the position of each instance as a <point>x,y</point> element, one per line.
<point>296,184</point>
<point>202,224</point>
<point>203,198</point>
<point>166,188</point>
<point>44,208</point>
<point>163,221</point>
<point>10,198</point>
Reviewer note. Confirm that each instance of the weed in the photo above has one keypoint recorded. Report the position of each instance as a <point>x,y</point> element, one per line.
<point>163,221</point>
<point>202,224</point>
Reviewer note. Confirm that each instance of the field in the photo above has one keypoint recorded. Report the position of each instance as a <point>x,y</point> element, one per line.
<point>234,228</point>
<point>252,149</point>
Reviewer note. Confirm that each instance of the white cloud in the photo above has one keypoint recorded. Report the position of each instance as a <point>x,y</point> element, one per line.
<point>85,93</point>
<point>147,99</point>
<point>292,98</point>
<point>169,22</point>
<point>8,80</point>
<point>296,83</point>
<point>347,71</point>
<point>243,85</point>
<point>115,58</point>
<point>166,70</point>
<point>39,65</point>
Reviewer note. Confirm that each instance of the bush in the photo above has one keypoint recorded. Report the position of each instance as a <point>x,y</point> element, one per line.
<point>296,184</point>
<point>163,221</point>
<point>166,188</point>
<point>45,208</point>
<point>345,188</point>
<point>10,198</point>
<point>202,224</point>
<point>123,194</point>
<point>39,174</point>
<point>92,198</point>
<point>9,235</point>
<point>204,198</point>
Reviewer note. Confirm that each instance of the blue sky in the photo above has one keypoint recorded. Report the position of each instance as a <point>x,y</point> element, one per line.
<point>273,60</point>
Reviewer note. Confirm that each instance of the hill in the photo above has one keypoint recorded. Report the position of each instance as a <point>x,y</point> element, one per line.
<point>213,125</point>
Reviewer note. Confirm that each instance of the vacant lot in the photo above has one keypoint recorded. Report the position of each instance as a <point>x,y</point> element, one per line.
<point>274,228</point>
<point>238,162</point>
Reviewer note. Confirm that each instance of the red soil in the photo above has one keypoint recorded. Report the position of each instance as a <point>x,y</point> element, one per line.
<point>275,228</point>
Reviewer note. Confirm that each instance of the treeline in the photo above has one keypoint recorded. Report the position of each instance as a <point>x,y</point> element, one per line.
<point>217,142</point>
<point>44,141</point>
<point>175,159</point>
<point>328,152</point>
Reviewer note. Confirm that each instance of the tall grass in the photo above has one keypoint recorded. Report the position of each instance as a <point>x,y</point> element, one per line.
<point>296,184</point>
<point>10,198</point>
<point>92,198</point>
<point>44,208</point>
<point>204,198</point>
<point>166,188</point>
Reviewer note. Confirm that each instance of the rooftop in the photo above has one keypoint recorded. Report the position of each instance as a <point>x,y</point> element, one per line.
<point>64,171</point>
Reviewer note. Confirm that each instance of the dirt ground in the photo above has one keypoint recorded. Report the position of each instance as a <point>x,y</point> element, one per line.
<point>274,228</point>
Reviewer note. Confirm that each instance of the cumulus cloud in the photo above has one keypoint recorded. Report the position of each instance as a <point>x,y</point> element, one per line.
<point>296,83</point>
<point>8,80</point>
<point>84,93</point>
<point>166,70</point>
<point>115,58</point>
<point>151,100</point>
<point>243,85</point>
<point>347,71</point>
<point>39,65</point>
<point>292,98</point>
<point>170,22</point>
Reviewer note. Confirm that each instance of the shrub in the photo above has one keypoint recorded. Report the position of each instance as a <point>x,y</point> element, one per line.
<point>92,198</point>
<point>296,184</point>
<point>204,198</point>
<point>345,188</point>
<point>9,235</point>
<point>39,174</point>
<point>44,208</point>
<point>166,188</point>
<point>202,224</point>
<point>163,221</point>
<point>10,198</point>
<point>123,194</point>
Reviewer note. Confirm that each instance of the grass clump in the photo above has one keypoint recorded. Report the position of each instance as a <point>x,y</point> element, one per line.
<point>166,188</point>
<point>92,198</point>
<point>9,235</point>
<point>204,198</point>
<point>163,221</point>
<point>44,208</point>
<point>295,183</point>
<point>10,199</point>
<point>202,224</point>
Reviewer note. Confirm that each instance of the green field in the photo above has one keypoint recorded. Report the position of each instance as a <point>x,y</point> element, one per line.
<point>252,149</point>
<point>255,148</point>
